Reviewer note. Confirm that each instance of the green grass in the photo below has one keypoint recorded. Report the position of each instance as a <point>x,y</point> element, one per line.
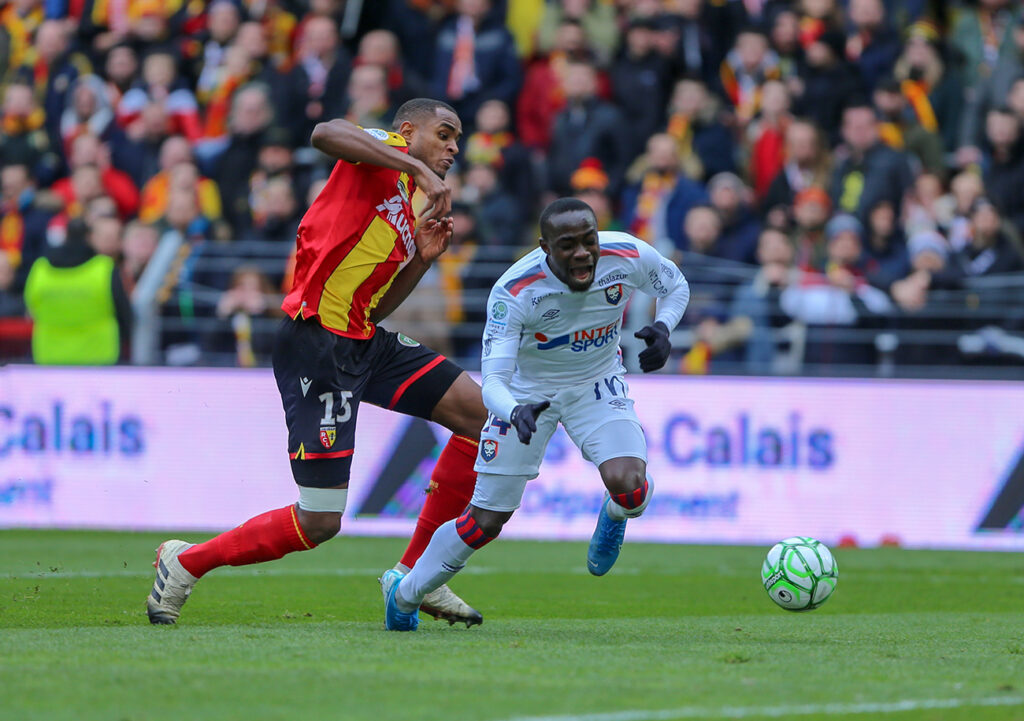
<point>672,632</point>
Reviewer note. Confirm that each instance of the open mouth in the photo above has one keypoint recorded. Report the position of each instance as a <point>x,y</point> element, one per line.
<point>581,273</point>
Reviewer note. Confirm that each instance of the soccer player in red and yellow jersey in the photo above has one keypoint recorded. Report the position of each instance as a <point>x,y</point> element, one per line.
<point>360,254</point>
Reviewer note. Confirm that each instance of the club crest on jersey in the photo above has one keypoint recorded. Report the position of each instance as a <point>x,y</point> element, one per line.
<point>488,450</point>
<point>327,436</point>
<point>613,294</point>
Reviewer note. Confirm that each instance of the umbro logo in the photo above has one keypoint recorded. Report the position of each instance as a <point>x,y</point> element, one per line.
<point>305,383</point>
<point>551,314</point>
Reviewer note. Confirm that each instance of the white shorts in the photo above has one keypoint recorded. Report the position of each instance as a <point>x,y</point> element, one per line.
<point>598,417</point>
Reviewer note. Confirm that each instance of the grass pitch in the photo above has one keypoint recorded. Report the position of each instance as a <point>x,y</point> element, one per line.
<point>673,632</point>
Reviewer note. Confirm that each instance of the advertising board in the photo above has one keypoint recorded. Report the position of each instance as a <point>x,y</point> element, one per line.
<point>733,460</point>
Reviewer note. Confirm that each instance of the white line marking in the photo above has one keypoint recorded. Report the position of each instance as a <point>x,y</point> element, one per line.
<point>374,572</point>
<point>827,709</point>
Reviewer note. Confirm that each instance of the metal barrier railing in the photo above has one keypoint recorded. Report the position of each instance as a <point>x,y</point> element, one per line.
<point>975,332</point>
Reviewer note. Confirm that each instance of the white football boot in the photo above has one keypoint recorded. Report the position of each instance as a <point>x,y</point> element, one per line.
<point>172,586</point>
<point>442,603</point>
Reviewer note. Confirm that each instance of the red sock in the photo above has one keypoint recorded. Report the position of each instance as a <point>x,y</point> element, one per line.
<point>266,537</point>
<point>633,499</point>
<point>470,533</point>
<point>451,488</point>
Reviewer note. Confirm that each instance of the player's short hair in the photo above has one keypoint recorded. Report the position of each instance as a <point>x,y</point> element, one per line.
<point>562,205</point>
<point>417,109</point>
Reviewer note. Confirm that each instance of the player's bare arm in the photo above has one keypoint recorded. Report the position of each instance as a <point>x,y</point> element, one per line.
<point>432,239</point>
<point>346,141</point>
<point>433,145</point>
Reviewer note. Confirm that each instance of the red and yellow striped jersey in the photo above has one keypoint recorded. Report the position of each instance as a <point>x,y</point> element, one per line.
<point>351,244</point>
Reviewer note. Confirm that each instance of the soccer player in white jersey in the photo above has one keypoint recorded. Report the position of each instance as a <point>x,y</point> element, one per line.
<point>551,354</point>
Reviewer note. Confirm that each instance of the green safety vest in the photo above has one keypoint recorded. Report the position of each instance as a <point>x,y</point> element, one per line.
<point>73,313</point>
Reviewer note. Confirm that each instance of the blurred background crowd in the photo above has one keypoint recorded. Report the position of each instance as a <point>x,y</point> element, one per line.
<point>842,181</point>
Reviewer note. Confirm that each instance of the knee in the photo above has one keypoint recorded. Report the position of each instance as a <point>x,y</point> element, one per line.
<point>490,522</point>
<point>629,481</point>
<point>623,477</point>
<point>319,526</point>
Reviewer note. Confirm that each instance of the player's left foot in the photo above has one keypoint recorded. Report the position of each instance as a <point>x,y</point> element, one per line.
<point>606,541</point>
<point>443,604</point>
<point>395,619</point>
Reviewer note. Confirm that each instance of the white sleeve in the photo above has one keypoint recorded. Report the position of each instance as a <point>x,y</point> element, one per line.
<point>500,350</point>
<point>663,280</point>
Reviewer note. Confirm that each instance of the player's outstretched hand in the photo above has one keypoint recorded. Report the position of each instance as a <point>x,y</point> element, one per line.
<point>432,238</point>
<point>655,355</point>
<point>524,418</point>
<point>439,195</point>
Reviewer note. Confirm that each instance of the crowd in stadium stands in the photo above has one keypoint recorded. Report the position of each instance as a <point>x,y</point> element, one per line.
<point>831,162</point>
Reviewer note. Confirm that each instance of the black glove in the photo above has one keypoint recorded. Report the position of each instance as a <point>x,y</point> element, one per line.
<point>655,355</point>
<point>524,418</point>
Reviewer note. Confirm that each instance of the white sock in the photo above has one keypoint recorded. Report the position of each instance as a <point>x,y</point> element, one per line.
<point>615,511</point>
<point>445,555</point>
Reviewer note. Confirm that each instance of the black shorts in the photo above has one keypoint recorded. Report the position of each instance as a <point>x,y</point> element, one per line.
<point>323,377</point>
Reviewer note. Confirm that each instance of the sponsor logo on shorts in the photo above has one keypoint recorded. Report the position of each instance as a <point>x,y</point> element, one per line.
<point>305,383</point>
<point>581,340</point>
<point>613,294</point>
<point>406,340</point>
<point>488,450</point>
<point>499,310</point>
<point>327,436</point>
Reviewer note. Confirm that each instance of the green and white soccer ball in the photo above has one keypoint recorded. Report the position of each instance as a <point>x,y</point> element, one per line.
<point>799,573</point>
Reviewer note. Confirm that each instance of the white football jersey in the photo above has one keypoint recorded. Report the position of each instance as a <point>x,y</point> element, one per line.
<point>560,337</point>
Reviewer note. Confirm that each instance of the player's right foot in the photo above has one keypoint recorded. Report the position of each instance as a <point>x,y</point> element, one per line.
<point>606,541</point>
<point>395,619</point>
<point>442,603</point>
<point>172,586</point>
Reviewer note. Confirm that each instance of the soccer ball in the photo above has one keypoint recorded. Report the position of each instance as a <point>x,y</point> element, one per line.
<point>799,573</point>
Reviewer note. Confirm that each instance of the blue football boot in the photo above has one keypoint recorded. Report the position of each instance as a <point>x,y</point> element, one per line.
<point>394,619</point>
<point>606,541</point>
